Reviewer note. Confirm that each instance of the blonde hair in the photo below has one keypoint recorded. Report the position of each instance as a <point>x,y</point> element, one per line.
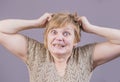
<point>59,20</point>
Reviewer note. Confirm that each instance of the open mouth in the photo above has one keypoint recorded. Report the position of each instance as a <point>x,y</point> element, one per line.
<point>58,45</point>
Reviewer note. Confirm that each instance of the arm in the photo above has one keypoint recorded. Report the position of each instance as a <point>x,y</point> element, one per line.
<point>12,26</point>
<point>14,42</point>
<point>104,51</point>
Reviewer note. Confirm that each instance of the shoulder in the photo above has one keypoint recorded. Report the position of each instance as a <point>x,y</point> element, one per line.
<point>85,52</point>
<point>84,55</point>
<point>36,52</point>
<point>87,48</point>
<point>33,44</point>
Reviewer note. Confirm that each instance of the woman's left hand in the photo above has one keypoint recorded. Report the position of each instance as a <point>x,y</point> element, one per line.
<point>85,25</point>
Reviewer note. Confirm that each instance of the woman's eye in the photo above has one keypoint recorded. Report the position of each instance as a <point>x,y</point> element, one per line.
<point>53,32</point>
<point>66,33</point>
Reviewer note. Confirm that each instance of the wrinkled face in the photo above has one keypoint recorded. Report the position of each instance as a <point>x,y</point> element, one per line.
<point>61,40</point>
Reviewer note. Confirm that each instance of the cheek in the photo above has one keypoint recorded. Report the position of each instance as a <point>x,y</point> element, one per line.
<point>69,41</point>
<point>49,39</point>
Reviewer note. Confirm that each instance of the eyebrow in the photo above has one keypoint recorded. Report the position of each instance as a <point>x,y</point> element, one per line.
<point>63,27</point>
<point>68,29</point>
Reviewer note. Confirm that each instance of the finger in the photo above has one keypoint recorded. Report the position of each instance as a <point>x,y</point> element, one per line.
<point>50,16</point>
<point>79,20</point>
<point>82,19</point>
<point>75,14</point>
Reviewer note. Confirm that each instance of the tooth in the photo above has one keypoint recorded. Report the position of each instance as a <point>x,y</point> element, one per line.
<point>58,45</point>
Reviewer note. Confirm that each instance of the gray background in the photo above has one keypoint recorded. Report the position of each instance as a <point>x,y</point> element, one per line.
<point>99,12</point>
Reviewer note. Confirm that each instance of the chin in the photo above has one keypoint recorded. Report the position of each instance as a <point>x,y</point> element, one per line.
<point>58,53</point>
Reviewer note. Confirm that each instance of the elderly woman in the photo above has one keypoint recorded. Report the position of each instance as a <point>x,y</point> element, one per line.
<point>58,59</point>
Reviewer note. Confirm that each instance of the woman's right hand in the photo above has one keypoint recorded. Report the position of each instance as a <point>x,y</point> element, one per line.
<point>44,19</point>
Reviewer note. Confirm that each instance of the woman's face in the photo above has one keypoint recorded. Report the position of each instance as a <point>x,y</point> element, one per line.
<point>61,40</point>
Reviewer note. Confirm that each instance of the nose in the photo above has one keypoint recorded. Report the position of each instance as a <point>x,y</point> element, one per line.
<point>59,37</point>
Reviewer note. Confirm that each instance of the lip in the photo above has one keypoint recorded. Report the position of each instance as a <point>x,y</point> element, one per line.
<point>58,46</point>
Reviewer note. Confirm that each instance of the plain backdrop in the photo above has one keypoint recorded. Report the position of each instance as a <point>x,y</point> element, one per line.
<point>99,12</point>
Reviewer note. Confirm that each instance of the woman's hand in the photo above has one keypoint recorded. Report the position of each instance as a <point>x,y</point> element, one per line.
<point>84,23</point>
<point>43,20</point>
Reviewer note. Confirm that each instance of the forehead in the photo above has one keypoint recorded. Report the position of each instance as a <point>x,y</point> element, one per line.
<point>65,27</point>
